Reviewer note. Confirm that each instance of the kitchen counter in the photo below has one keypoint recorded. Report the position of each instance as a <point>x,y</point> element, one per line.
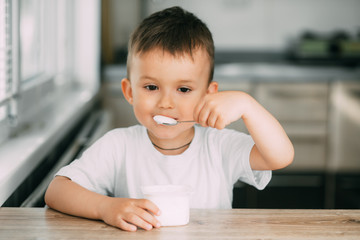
<point>264,72</point>
<point>44,223</point>
<point>283,72</point>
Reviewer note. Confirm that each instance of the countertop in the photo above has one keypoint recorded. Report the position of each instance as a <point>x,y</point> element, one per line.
<point>283,72</point>
<point>44,223</point>
<point>263,72</point>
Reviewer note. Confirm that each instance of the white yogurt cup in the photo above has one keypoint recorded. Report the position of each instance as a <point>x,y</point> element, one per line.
<point>173,201</point>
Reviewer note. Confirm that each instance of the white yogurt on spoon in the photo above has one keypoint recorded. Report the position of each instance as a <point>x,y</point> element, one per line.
<point>159,119</point>
<point>164,120</point>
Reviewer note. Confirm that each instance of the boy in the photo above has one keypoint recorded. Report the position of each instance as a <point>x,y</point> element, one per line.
<point>170,68</point>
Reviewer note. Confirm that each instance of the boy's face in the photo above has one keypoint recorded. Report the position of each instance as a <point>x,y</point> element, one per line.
<point>162,84</point>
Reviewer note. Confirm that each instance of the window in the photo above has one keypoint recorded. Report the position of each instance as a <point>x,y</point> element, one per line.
<point>5,55</point>
<point>32,36</point>
<point>35,57</point>
<point>6,83</point>
<point>49,77</point>
<point>46,47</point>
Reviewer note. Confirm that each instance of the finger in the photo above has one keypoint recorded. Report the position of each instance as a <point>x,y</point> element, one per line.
<point>211,121</point>
<point>148,205</point>
<point>197,110</point>
<point>220,123</point>
<point>125,226</point>
<point>149,218</point>
<point>132,218</point>
<point>204,115</point>
<point>203,112</point>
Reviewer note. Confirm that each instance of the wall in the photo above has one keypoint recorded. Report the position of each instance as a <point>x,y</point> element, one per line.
<point>125,15</point>
<point>247,24</point>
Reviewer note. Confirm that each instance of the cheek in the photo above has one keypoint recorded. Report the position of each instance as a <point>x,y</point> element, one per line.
<point>141,111</point>
<point>142,104</point>
<point>189,105</point>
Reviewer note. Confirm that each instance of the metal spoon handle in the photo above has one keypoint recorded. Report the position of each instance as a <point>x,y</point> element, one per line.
<point>173,124</point>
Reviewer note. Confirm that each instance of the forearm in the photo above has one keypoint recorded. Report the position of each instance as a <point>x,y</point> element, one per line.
<point>272,150</point>
<point>69,197</point>
<point>272,144</point>
<point>66,196</point>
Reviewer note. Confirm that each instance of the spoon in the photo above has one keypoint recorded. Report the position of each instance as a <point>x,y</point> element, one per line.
<point>167,121</point>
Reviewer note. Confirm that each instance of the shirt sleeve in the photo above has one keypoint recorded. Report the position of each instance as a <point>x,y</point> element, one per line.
<point>236,148</point>
<point>95,169</point>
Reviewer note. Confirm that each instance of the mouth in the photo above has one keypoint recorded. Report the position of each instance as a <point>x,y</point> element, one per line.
<point>163,115</point>
<point>165,120</point>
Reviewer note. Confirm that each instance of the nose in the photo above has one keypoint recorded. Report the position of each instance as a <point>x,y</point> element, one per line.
<point>166,101</point>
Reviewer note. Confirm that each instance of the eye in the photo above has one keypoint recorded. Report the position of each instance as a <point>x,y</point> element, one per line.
<point>184,89</point>
<point>151,87</point>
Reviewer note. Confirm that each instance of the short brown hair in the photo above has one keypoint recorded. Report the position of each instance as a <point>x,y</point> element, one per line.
<point>175,31</point>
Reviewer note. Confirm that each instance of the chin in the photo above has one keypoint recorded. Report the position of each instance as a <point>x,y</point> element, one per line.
<point>164,132</point>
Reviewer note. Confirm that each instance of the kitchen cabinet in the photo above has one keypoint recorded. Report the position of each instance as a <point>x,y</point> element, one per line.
<point>114,101</point>
<point>302,109</point>
<point>347,194</point>
<point>300,102</point>
<point>113,98</point>
<point>344,140</point>
<point>319,109</point>
<point>290,191</point>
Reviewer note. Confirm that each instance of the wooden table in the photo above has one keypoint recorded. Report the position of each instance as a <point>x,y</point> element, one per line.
<point>43,223</point>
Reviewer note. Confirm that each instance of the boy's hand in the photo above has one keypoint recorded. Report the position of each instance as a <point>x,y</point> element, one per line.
<point>128,214</point>
<point>219,109</point>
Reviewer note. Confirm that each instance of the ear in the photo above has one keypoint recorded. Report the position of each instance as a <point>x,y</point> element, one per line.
<point>127,90</point>
<point>213,87</point>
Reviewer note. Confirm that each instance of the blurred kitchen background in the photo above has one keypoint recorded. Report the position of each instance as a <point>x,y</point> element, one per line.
<point>61,63</point>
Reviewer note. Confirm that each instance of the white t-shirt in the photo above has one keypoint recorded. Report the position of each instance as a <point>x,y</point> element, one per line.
<point>124,159</point>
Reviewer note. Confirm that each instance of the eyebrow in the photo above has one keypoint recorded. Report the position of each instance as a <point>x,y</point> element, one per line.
<point>145,77</point>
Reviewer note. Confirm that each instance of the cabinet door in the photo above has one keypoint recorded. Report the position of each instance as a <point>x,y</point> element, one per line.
<point>310,154</point>
<point>114,101</point>
<point>344,144</point>
<point>234,85</point>
<point>301,101</point>
<point>302,109</point>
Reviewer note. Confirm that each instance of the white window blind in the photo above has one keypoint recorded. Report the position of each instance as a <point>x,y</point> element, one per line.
<point>5,56</point>
<point>8,91</point>
<point>46,48</point>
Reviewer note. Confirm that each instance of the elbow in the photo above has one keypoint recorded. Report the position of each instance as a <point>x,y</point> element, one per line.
<point>47,197</point>
<point>281,159</point>
<point>50,194</point>
<point>285,160</point>
<point>290,155</point>
<point>283,163</point>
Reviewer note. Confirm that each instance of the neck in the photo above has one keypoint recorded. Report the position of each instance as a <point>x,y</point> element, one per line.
<point>172,149</point>
<point>173,146</point>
